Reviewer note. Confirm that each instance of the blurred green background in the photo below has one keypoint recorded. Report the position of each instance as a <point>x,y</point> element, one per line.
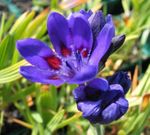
<point>34,109</point>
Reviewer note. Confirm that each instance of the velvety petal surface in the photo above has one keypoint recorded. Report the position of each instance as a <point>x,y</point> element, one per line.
<point>42,76</point>
<point>79,93</point>
<point>114,93</point>
<point>34,51</point>
<point>117,88</point>
<point>99,84</point>
<point>123,106</point>
<point>59,33</point>
<point>121,78</point>
<point>96,89</point>
<point>109,19</point>
<point>87,14</point>
<point>91,110</point>
<point>103,43</point>
<point>97,22</point>
<point>81,32</point>
<point>114,111</point>
<point>110,113</point>
<point>86,73</point>
<point>116,43</point>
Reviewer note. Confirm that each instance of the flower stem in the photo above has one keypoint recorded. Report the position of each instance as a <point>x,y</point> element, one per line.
<point>99,129</point>
<point>20,122</point>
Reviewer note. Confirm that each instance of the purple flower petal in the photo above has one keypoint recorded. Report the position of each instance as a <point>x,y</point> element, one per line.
<point>115,91</point>
<point>116,43</point>
<point>96,89</point>
<point>87,14</point>
<point>81,32</point>
<point>97,22</point>
<point>99,83</point>
<point>103,43</point>
<point>114,111</point>
<point>42,76</point>
<point>86,73</point>
<point>79,93</point>
<point>59,33</point>
<point>34,51</point>
<point>117,88</point>
<point>92,92</point>
<point>121,78</point>
<point>110,113</point>
<point>123,106</point>
<point>91,110</point>
<point>109,19</point>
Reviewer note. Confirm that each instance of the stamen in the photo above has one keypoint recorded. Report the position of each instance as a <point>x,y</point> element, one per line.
<point>85,53</point>
<point>65,52</point>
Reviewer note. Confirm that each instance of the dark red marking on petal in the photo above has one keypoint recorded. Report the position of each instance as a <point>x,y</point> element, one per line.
<point>85,53</point>
<point>65,52</point>
<point>54,77</point>
<point>54,62</point>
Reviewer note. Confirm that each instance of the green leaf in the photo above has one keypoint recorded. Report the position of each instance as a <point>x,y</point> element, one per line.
<point>143,83</point>
<point>53,123</point>
<point>18,30</point>
<point>22,93</point>
<point>44,107</point>
<point>126,6</point>
<point>53,101</point>
<point>36,24</point>
<point>41,30</point>
<point>135,127</point>
<point>11,73</point>
<point>37,117</point>
<point>6,51</point>
<point>9,23</point>
<point>21,24</point>
<point>2,25</point>
<point>69,120</point>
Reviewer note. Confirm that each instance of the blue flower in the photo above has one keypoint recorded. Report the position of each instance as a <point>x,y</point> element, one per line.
<point>121,78</point>
<point>100,101</point>
<point>97,21</point>
<point>81,43</point>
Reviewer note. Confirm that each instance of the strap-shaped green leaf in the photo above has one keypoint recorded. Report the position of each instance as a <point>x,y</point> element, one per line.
<point>52,125</point>
<point>11,73</point>
<point>6,51</point>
